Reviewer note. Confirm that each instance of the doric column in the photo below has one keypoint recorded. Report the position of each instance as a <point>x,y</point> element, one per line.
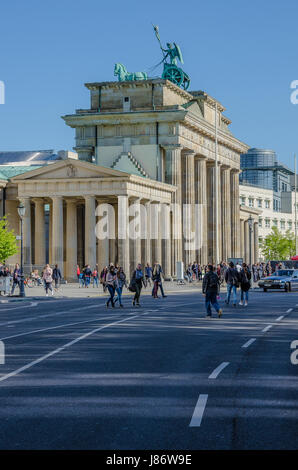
<point>242,240</point>
<point>148,233</point>
<point>135,234</point>
<point>173,176</point>
<point>189,201</point>
<point>156,232</point>
<point>123,236</point>
<point>256,242</point>
<point>39,238</point>
<point>71,237</point>
<point>103,248</point>
<point>246,242</point>
<point>90,237</point>
<point>226,212</point>
<point>201,189</point>
<point>165,218</point>
<point>57,232</point>
<point>235,213</point>
<point>27,234</point>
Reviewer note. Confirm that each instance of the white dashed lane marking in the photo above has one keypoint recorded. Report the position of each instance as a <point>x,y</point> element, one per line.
<point>218,370</point>
<point>249,342</point>
<point>267,328</point>
<point>199,411</point>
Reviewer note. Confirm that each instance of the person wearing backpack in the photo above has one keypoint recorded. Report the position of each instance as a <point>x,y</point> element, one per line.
<point>245,277</point>
<point>232,278</point>
<point>211,290</point>
<point>137,281</point>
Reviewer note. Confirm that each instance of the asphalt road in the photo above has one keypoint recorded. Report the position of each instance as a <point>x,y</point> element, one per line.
<point>79,376</point>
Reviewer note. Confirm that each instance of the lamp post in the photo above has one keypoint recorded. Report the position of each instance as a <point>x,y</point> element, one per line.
<point>250,225</point>
<point>21,212</point>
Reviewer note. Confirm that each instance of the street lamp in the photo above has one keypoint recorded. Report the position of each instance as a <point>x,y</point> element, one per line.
<point>250,225</point>
<point>21,212</point>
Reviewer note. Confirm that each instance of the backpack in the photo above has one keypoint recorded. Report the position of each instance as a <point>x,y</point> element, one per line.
<point>213,281</point>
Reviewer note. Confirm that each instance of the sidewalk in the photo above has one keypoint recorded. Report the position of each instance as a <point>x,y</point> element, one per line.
<point>72,290</point>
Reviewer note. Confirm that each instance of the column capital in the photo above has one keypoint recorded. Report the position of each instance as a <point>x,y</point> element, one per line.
<point>188,153</point>
<point>71,201</point>
<point>171,146</point>
<point>235,171</point>
<point>37,200</point>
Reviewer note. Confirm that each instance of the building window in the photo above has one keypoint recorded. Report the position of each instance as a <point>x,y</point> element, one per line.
<point>275,222</point>
<point>260,241</point>
<point>290,224</point>
<point>260,222</point>
<point>243,200</point>
<point>282,224</point>
<point>250,202</point>
<point>267,223</point>
<point>260,202</point>
<point>267,204</point>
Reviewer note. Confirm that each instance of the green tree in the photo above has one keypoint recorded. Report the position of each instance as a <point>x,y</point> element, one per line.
<point>277,246</point>
<point>8,243</point>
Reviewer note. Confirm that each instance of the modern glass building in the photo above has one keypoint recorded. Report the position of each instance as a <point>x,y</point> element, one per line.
<point>261,168</point>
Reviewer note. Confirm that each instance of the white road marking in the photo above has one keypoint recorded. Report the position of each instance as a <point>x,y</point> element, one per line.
<point>280,318</point>
<point>218,370</point>
<point>289,311</point>
<point>58,350</point>
<point>52,327</point>
<point>199,411</point>
<point>267,328</point>
<point>249,342</point>
<point>23,320</point>
<point>32,304</point>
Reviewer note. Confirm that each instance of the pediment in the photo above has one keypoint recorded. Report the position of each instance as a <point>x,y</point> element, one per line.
<point>194,108</point>
<point>68,169</point>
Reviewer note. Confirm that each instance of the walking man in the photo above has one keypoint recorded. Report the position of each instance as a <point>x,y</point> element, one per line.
<point>232,279</point>
<point>211,291</point>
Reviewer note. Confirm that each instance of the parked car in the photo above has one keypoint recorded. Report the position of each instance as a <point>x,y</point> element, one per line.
<point>286,279</point>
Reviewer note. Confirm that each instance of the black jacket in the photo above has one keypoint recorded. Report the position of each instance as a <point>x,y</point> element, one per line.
<point>232,276</point>
<point>56,273</point>
<point>211,283</point>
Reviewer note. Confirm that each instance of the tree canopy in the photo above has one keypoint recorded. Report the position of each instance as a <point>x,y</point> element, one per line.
<point>278,246</point>
<point>8,242</point>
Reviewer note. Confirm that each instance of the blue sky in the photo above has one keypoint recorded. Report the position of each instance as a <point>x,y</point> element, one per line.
<point>245,54</point>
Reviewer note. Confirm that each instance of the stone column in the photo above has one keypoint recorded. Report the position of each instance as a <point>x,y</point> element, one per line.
<point>156,232</point>
<point>90,237</point>
<point>165,218</point>
<point>242,240</point>
<point>212,227</point>
<point>226,212</point>
<point>103,248</point>
<point>71,237</point>
<point>123,236</point>
<point>135,234</point>
<point>189,201</point>
<point>173,176</point>
<point>40,237</point>
<point>235,213</point>
<point>256,242</point>
<point>50,233</point>
<point>148,234</point>
<point>201,188</point>
<point>246,242</point>
<point>27,235</point>
<point>57,232</point>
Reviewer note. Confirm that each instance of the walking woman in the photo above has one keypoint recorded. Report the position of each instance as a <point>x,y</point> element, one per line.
<point>119,283</point>
<point>245,277</point>
<point>48,279</point>
<point>110,283</point>
<point>137,280</point>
